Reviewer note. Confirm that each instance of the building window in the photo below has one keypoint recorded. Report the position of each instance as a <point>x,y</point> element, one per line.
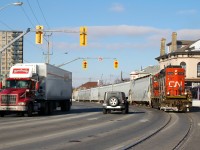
<point>198,69</point>
<point>183,65</point>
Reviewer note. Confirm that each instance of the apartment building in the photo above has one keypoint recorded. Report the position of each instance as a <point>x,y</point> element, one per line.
<point>13,54</point>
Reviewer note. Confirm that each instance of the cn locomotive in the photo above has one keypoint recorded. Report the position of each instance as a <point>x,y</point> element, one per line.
<point>168,91</point>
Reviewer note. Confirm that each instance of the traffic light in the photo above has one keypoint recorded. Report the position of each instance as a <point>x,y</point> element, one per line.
<point>39,35</point>
<point>83,36</point>
<point>84,64</point>
<point>116,64</point>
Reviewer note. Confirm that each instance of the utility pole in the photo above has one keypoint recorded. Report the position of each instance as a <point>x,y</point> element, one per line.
<point>48,49</point>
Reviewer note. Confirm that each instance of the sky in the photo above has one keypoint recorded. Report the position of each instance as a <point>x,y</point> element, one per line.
<point>128,30</point>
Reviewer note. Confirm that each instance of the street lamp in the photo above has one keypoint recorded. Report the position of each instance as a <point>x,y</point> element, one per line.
<point>14,4</point>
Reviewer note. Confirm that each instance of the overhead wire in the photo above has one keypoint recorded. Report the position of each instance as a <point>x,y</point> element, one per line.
<point>42,14</point>
<point>6,25</point>
<point>27,17</point>
<point>32,12</point>
<point>40,47</point>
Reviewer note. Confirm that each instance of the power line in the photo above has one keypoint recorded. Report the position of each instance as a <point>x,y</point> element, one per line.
<point>30,19</point>
<point>6,25</point>
<point>32,12</point>
<point>42,14</point>
<point>27,17</point>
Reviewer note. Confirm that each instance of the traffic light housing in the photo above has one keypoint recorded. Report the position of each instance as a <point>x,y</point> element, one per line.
<point>84,64</point>
<point>39,35</point>
<point>116,64</point>
<point>83,36</point>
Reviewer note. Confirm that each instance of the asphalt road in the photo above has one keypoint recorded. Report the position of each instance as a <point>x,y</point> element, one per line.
<point>86,127</point>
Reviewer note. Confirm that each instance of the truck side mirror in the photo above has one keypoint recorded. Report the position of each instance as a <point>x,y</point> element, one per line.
<point>37,85</point>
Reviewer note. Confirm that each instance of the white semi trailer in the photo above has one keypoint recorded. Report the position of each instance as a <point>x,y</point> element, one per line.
<point>36,87</point>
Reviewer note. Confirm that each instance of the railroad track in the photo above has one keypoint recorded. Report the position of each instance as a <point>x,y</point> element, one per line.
<point>179,145</point>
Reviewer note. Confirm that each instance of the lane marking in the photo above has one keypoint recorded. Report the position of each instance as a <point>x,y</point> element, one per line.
<point>90,119</point>
<point>47,120</point>
<point>143,120</point>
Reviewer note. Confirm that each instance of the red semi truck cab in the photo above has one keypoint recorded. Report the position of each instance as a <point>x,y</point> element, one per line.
<point>19,90</point>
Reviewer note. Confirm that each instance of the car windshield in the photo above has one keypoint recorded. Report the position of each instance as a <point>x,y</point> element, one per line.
<point>17,84</point>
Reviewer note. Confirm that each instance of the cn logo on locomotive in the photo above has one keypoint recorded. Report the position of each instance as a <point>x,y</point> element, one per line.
<point>175,84</point>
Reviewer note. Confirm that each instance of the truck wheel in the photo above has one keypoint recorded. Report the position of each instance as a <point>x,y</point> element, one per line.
<point>21,114</point>
<point>68,105</point>
<point>30,110</point>
<point>113,101</point>
<point>46,108</point>
<point>104,111</point>
<point>2,114</point>
<point>63,106</point>
<point>50,108</point>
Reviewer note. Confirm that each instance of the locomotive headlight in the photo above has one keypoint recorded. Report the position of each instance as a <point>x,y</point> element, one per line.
<point>168,93</point>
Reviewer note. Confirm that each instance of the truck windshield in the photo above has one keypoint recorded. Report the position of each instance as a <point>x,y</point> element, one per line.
<point>17,84</point>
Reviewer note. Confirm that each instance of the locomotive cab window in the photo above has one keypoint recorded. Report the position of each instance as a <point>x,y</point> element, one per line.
<point>170,73</point>
<point>180,73</point>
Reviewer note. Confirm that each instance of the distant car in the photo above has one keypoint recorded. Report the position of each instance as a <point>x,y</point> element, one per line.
<point>115,101</point>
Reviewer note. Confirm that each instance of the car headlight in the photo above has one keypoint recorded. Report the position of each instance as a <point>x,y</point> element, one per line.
<point>22,103</point>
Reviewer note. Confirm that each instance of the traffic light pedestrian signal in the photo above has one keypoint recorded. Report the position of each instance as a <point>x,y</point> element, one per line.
<point>39,35</point>
<point>83,36</point>
<point>116,64</point>
<point>84,64</point>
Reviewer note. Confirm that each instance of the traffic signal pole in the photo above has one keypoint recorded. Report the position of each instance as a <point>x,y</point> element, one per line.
<point>70,61</point>
<point>85,60</point>
<point>17,38</point>
<point>28,30</point>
